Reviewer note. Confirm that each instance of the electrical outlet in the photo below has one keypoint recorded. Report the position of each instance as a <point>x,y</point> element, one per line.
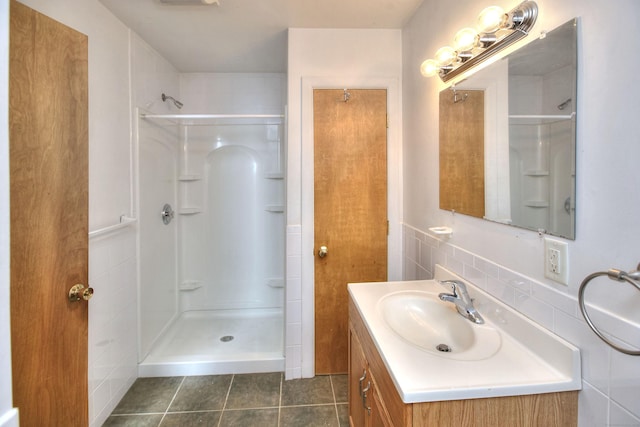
<point>556,261</point>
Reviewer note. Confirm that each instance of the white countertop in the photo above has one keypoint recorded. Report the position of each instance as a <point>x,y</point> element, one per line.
<point>530,359</point>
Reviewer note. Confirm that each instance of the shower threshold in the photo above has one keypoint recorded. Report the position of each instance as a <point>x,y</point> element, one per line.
<point>212,342</point>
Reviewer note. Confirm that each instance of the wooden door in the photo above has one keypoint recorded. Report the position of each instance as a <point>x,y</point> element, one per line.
<point>462,152</point>
<point>48,139</point>
<point>350,210</point>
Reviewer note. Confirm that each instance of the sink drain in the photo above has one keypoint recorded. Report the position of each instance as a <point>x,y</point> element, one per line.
<point>226,338</point>
<point>443,348</point>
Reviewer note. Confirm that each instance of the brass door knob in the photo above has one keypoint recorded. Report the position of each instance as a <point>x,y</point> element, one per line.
<point>322,252</point>
<point>79,292</point>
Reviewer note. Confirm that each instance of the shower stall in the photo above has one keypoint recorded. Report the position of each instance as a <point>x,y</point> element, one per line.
<point>211,209</point>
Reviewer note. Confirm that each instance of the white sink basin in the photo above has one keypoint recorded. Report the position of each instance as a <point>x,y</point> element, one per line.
<point>421,319</point>
<point>508,355</point>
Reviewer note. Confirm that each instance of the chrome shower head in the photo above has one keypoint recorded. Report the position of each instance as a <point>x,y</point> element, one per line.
<point>175,101</point>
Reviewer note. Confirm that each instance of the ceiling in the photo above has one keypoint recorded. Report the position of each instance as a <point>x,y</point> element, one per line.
<point>247,36</point>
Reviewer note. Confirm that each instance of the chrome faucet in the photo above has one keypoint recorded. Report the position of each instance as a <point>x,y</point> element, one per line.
<point>463,302</point>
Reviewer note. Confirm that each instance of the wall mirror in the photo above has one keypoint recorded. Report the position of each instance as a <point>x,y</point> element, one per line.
<point>507,138</point>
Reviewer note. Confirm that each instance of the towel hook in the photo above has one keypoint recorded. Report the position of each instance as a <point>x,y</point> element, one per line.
<point>456,97</point>
<point>346,95</point>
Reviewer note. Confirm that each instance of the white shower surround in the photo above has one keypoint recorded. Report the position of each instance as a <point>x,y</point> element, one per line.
<point>216,271</point>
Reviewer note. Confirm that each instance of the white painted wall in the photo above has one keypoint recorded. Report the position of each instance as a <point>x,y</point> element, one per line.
<point>233,93</point>
<point>322,58</point>
<point>509,261</point>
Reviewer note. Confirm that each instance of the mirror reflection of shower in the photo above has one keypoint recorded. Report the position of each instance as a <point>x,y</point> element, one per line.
<point>171,98</point>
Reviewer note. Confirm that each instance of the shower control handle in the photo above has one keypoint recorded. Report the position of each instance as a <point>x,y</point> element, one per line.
<point>167,213</point>
<point>322,252</point>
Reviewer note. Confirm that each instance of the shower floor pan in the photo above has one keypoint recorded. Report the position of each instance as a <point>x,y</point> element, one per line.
<point>219,342</point>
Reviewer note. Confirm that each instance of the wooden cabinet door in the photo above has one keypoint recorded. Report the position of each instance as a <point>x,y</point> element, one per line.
<point>357,376</point>
<point>379,416</point>
<point>350,210</point>
<point>48,150</point>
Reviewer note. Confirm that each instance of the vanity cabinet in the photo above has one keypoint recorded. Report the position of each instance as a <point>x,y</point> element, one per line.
<point>381,405</point>
<point>365,403</point>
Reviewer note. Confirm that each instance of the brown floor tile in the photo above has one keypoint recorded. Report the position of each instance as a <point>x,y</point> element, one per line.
<point>309,416</point>
<point>148,395</point>
<point>343,414</point>
<point>250,417</point>
<point>202,393</point>
<point>307,391</point>
<point>189,419</point>
<point>255,391</point>
<point>340,387</point>
<point>133,420</point>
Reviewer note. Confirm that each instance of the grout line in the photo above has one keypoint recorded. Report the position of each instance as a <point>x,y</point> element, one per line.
<point>172,399</point>
<point>226,398</point>
<point>335,400</point>
<point>280,398</point>
<point>136,414</point>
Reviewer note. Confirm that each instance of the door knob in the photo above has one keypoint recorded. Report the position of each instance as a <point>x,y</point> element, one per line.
<point>79,292</point>
<point>322,252</point>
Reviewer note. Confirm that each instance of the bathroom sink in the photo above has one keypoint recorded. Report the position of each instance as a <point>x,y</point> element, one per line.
<point>422,320</point>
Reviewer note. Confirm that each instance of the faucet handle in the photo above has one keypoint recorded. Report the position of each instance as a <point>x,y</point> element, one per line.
<point>453,284</point>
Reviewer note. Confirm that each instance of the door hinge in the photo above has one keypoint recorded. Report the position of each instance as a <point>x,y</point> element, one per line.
<point>387,227</point>
<point>387,121</point>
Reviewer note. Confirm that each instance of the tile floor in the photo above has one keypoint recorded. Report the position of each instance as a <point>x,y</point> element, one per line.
<point>246,400</point>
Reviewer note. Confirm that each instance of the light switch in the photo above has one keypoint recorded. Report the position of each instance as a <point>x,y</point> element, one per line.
<point>556,261</point>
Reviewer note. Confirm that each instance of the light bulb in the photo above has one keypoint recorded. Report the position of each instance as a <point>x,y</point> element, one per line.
<point>445,56</point>
<point>465,39</point>
<point>491,19</point>
<point>429,68</point>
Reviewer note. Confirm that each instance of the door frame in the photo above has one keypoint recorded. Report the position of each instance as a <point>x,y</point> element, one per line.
<point>394,193</point>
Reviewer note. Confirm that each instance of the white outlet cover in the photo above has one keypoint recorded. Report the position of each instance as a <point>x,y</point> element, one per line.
<point>562,248</point>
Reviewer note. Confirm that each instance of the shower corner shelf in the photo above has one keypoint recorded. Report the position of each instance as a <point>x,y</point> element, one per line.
<point>274,208</point>
<point>274,175</point>
<point>190,285</point>
<point>189,211</point>
<point>189,177</point>
<point>538,119</point>
<point>277,282</point>
<point>536,173</point>
<point>536,204</point>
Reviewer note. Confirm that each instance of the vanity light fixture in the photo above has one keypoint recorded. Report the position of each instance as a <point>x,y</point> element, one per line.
<point>495,30</point>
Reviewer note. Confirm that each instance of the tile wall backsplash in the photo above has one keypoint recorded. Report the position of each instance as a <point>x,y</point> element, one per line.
<point>113,359</point>
<point>611,380</point>
<point>293,314</point>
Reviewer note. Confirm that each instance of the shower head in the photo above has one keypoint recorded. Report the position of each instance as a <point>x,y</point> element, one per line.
<point>175,101</point>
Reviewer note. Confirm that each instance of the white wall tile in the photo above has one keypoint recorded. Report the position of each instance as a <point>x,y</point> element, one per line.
<point>294,312</point>
<point>294,289</point>
<point>593,352</point>
<point>294,334</point>
<point>611,379</point>
<point>534,309</point>
<point>592,407</point>
<point>475,276</point>
<point>625,381</point>
<point>619,417</point>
